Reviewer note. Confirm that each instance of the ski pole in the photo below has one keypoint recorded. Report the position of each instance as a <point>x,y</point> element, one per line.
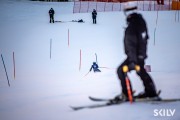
<point>128,86</point>
<point>125,70</point>
<point>86,74</point>
<point>14,65</point>
<point>107,68</point>
<point>50,47</point>
<point>96,58</point>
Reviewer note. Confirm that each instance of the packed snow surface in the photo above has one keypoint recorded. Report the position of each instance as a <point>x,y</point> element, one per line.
<point>52,62</point>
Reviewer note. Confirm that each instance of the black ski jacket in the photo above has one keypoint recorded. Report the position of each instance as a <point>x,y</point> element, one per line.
<point>135,39</point>
<point>94,14</point>
<point>51,12</point>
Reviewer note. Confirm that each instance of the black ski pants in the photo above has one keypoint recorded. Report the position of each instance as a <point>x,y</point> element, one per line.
<point>51,18</point>
<point>149,86</point>
<point>94,20</point>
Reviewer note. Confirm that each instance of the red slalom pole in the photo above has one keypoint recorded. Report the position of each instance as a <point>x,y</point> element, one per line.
<point>157,18</point>
<point>14,65</point>
<point>50,48</point>
<point>80,61</point>
<point>68,37</point>
<point>154,36</point>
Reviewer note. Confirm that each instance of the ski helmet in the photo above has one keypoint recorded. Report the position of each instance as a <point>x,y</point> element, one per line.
<point>130,7</point>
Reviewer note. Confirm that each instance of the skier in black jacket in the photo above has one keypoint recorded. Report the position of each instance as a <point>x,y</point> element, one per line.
<point>94,15</point>
<point>135,45</point>
<point>51,15</point>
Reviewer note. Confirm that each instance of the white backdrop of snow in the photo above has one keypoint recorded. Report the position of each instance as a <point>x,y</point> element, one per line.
<point>44,88</point>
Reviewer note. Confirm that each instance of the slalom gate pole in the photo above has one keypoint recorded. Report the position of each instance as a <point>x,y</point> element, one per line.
<point>50,47</point>
<point>155,28</point>
<point>80,61</point>
<point>96,58</point>
<point>154,36</point>
<point>157,17</point>
<point>14,65</point>
<point>5,70</point>
<point>68,37</point>
<point>177,16</point>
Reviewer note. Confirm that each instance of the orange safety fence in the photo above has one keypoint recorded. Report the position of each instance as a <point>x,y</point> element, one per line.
<point>83,6</point>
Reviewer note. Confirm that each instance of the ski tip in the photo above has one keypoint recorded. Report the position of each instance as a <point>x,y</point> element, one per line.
<point>89,97</point>
<point>93,99</point>
<point>73,108</point>
<point>76,108</point>
<point>159,92</point>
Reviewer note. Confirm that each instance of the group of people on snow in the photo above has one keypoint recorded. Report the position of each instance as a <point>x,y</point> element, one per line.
<point>135,47</point>
<point>94,13</point>
<point>52,12</point>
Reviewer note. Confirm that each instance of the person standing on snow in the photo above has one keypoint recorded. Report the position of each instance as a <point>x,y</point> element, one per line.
<point>51,15</point>
<point>135,45</point>
<point>94,15</point>
<point>160,2</point>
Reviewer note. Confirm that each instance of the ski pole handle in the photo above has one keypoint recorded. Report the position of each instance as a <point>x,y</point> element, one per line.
<point>126,69</point>
<point>137,68</point>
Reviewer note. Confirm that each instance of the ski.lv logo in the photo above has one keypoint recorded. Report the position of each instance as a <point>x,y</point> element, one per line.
<point>164,112</point>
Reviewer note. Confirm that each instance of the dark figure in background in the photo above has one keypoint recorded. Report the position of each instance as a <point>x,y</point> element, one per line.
<point>160,2</point>
<point>135,45</point>
<point>95,67</point>
<point>51,15</point>
<point>94,15</point>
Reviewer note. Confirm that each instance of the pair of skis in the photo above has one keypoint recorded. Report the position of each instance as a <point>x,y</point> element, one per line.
<point>110,102</point>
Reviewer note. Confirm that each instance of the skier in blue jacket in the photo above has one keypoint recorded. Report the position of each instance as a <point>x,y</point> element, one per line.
<point>95,67</point>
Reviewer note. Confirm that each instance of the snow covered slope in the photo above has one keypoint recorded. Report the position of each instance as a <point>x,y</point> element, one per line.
<point>44,87</point>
